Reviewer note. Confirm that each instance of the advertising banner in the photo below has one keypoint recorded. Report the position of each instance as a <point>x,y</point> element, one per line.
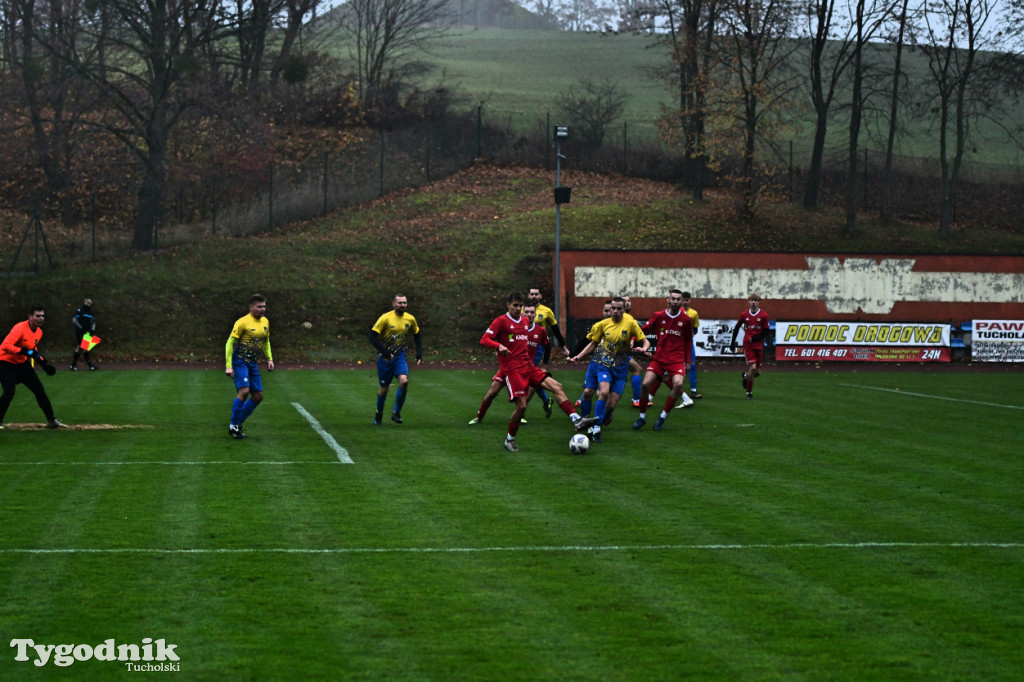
<point>997,340</point>
<point>861,354</point>
<point>862,342</point>
<point>712,338</point>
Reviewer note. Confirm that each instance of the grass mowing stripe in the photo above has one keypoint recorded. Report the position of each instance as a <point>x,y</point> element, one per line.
<point>341,452</point>
<point>849,535</point>
<point>935,397</point>
<point>712,547</point>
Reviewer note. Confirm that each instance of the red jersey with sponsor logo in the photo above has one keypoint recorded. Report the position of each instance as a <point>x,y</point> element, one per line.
<point>514,335</point>
<point>537,338</point>
<point>674,336</point>
<point>753,324</point>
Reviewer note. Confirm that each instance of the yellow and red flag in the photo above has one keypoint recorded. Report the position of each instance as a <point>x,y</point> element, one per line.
<point>89,342</point>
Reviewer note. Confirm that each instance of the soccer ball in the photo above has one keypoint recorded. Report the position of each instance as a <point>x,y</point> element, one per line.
<point>579,444</point>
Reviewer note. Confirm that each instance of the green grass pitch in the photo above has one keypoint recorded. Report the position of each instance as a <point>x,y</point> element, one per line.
<point>855,525</point>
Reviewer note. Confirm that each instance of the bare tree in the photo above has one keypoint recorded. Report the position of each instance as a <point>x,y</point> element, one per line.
<point>830,54</point>
<point>898,40</point>
<point>295,15</point>
<point>148,76</point>
<point>551,11</point>
<point>386,36</point>
<point>40,37</point>
<point>758,64</point>
<point>866,20</point>
<point>690,30</point>
<point>956,31</point>
<point>254,21</point>
<point>636,16</point>
<point>592,107</point>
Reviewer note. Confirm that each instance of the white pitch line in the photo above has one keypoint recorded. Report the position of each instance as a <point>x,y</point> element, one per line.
<point>522,549</point>
<point>341,452</point>
<point>161,463</point>
<point>935,397</point>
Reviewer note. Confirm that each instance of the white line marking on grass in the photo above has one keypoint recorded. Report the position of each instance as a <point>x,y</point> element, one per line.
<point>341,452</point>
<point>522,549</point>
<point>934,397</point>
<point>162,463</point>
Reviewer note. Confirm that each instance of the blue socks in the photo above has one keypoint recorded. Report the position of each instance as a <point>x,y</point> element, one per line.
<point>637,382</point>
<point>240,410</point>
<point>584,407</point>
<point>236,411</point>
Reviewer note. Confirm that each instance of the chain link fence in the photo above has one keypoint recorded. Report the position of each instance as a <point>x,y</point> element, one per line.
<point>260,200</point>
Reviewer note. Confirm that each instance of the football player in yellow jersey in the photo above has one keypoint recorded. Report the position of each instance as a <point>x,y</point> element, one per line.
<point>249,339</point>
<point>611,341</point>
<point>583,402</point>
<point>390,336</point>
<point>545,317</point>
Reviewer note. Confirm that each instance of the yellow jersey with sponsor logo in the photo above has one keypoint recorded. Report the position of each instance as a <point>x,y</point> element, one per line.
<point>253,338</point>
<point>396,330</point>
<point>614,340</point>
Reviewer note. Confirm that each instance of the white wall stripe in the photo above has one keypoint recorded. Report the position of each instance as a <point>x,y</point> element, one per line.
<point>520,549</point>
<point>341,452</point>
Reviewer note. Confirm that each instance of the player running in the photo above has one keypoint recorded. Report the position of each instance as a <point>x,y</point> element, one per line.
<point>674,332</point>
<point>756,326</point>
<point>611,341</point>
<point>537,347</point>
<point>507,335</point>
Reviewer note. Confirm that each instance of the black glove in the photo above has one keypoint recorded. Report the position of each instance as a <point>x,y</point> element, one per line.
<point>31,352</point>
<point>48,368</point>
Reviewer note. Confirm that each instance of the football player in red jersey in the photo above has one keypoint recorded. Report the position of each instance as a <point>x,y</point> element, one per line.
<point>674,331</point>
<point>756,326</point>
<point>508,335</point>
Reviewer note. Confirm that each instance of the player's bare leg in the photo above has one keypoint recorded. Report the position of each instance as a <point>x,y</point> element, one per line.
<point>492,392</point>
<point>748,379</point>
<point>554,388</point>
<point>650,387</point>
<point>513,423</point>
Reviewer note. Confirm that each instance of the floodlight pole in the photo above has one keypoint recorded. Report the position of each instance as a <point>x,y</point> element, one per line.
<point>561,196</point>
<point>558,231</point>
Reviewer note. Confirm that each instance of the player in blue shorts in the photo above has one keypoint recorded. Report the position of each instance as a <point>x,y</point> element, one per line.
<point>583,402</point>
<point>611,341</point>
<point>249,340</point>
<point>390,336</point>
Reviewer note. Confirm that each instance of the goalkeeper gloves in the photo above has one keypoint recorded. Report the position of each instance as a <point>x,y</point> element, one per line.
<point>48,368</point>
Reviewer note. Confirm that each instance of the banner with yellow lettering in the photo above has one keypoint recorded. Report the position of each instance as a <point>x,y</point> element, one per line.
<point>862,342</point>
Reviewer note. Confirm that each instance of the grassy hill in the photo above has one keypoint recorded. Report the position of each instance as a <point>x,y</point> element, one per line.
<point>517,75</point>
<point>455,247</point>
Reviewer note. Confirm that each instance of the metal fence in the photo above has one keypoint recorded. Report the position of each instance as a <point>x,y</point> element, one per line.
<point>258,201</point>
